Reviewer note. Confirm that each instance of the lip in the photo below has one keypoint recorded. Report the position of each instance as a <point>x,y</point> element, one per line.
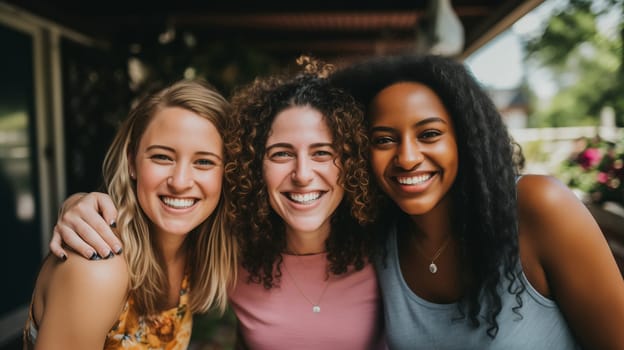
<point>413,182</point>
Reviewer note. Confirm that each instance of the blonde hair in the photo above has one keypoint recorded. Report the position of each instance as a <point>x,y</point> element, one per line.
<point>211,249</point>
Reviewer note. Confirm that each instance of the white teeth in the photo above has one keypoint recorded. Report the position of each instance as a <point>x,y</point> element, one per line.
<point>304,197</point>
<point>178,203</point>
<point>413,180</point>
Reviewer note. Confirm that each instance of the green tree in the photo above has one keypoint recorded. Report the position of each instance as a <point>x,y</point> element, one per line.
<point>586,63</point>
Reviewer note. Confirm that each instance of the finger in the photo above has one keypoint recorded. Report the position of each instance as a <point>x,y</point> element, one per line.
<point>55,245</point>
<point>91,228</point>
<point>99,234</point>
<point>109,213</point>
<point>88,216</point>
<point>85,220</point>
<point>74,241</point>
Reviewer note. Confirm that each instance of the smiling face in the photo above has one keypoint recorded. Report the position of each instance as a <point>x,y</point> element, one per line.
<point>178,168</point>
<point>300,171</point>
<point>414,150</point>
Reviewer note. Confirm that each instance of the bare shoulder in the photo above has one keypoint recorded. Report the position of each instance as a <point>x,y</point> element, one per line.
<point>566,256</point>
<point>545,203</point>
<point>106,273</point>
<point>539,198</point>
<point>556,230</point>
<point>81,301</point>
<point>78,280</point>
<point>539,191</point>
<point>78,275</point>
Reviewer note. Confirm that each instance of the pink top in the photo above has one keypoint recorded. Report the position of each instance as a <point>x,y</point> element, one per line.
<point>350,315</point>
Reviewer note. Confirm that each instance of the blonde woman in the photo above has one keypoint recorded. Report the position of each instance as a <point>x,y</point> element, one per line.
<point>164,173</point>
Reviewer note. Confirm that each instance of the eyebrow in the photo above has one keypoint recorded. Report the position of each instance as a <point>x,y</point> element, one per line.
<point>419,123</point>
<point>288,145</point>
<point>166,148</point>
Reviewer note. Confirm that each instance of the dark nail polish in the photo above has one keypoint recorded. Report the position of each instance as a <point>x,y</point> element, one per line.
<point>95,256</point>
<point>110,255</point>
<point>119,251</point>
<point>63,257</point>
<point>113,224</point>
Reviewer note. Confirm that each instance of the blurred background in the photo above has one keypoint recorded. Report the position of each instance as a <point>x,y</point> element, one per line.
<point>70,70</point>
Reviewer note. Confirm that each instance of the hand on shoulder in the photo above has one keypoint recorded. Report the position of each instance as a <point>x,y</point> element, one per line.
<point>84,224</point>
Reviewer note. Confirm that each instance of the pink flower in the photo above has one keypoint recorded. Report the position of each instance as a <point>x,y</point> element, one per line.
<point>589,158</point>
<point>602,177</point>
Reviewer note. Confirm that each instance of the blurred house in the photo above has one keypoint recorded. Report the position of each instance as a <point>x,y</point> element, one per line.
<point>513,105</point>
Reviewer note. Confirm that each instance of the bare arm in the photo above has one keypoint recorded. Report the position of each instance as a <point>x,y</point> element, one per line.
<point>85,225</point>
<point>570,261</point>
<point>81,302</point>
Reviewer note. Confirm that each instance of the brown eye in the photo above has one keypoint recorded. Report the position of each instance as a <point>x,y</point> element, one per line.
<point>429,134</point>
<point>382,140</point>
<point>281,156</point>
<point>205,163</point>
<point>161,158</point>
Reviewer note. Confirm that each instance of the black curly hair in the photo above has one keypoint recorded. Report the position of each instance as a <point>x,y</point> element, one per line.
<point>484,193</point>
<point>261,232</point>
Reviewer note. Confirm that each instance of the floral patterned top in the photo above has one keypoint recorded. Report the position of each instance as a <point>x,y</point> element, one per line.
<point>169,330</point>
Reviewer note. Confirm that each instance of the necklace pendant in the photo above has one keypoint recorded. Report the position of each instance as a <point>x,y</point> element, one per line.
<point>433,268</point>
<point>316,309</point>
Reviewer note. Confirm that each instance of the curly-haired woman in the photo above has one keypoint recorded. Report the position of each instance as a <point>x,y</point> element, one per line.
<point>300,182</point>
<point>163,172</point>
<point>476,256</point>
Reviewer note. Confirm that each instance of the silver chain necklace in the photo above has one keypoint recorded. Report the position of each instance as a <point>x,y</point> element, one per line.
<point>433,268</point>
<point>316,307</point>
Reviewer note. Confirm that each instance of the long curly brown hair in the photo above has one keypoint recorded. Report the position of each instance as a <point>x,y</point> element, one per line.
<point>260,231</point>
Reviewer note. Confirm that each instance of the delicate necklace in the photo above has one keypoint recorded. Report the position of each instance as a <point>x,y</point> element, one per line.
<point>433,268</point>
<point>316,307</point>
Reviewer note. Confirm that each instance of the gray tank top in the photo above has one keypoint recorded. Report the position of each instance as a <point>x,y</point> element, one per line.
<point>415,323</point>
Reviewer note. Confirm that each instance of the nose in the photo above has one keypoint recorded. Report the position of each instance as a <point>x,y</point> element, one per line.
<point>303,172</point>
<point>181,177</point>
<point>409,155</point>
